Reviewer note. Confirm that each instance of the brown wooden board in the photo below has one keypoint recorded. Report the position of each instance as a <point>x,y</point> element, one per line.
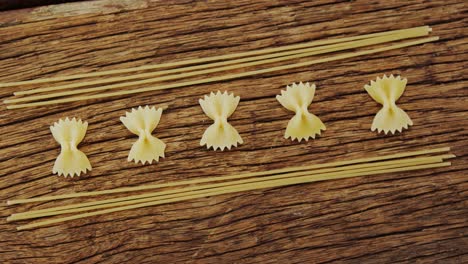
<point>414,217</point>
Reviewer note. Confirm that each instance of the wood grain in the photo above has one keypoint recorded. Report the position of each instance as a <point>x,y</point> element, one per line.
<point>416,217</point>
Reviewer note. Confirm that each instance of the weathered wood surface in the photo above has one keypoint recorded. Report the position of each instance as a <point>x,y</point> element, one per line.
<point>416,217</point>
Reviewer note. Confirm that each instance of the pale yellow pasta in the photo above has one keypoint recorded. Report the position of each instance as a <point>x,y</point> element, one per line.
<point>142,122</point>
<point>220,134</point>
<point>303,125</point>
<point>71,161</point>
<point>386,91</point>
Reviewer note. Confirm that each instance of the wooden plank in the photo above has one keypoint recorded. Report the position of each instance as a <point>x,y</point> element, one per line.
<point>405,217</point>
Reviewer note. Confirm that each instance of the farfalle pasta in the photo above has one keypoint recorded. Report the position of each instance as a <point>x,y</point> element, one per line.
<point>304,124</point>
<point>386,91</point>
<point>142,122</point>
<point>220,134</point>
<point>71,161</point>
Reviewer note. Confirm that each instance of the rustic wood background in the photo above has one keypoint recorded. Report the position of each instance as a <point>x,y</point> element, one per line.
<point>415,217</point>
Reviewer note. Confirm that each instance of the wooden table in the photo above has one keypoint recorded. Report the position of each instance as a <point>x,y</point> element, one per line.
<point>414,217</point>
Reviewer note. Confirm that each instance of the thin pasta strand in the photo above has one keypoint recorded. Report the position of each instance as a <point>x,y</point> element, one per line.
<point>287,55</point>
<point>231,177</point>
<point>189,191</point>
<point>185,191</point>
<point>202,60</point>
<point>226,77</point>
<point>439,158</point>
<point>253,186</point>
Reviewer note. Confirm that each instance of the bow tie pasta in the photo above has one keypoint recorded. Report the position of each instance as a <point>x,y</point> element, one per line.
<point>386,91</point>
<point>69,133</point>
<point>142,122</point>
<point>303,125</point>
<point>220,134</point>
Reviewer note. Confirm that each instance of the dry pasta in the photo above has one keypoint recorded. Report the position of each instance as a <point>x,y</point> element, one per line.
<point>233,189</point>
<point>142,122</point>
<point>341,163</point>
<point>71,161</point>
<point>304,124</point>
<point>79,207</point>
<point>386,91</point>
<point>413,32</point>
<point>209,67</point>
<point>66,96</point>
<point>220,134</point>
<point>275,178</point>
